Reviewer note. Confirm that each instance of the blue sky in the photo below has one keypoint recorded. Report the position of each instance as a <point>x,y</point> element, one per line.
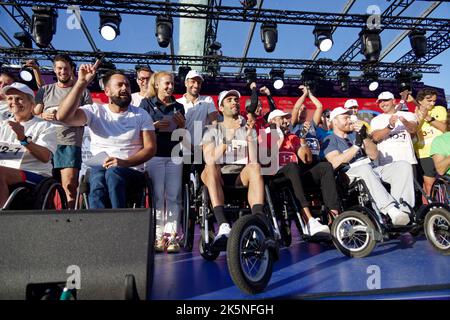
<point>294,41</point>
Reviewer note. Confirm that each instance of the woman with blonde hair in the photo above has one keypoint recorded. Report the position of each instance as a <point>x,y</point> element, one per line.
<point>164,170</point>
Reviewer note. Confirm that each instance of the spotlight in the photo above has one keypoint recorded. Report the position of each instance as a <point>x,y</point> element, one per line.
<point>26,73</point>
<point>43,24</point>
<point>418,43</point>
<point>182,72</point>
<point>310,78</point>
<point>344,80</point>
<point>277,77</point>
<point>24,38</point>
<point>269,35</point>
<point>323,39</point>
<point>370,44</point>
<point>164,30</point>
<point>372,79</point>
<point>109,25</point>
<point>214,48</point>
<point>404,80</point>
<point>250,75</point>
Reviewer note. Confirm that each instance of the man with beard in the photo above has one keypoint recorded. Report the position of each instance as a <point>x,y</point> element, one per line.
<point>122,133</point>
<point>67,158</point>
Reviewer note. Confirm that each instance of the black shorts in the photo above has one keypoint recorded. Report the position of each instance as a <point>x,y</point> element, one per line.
<point>426,167</point>
<point>232,179</point>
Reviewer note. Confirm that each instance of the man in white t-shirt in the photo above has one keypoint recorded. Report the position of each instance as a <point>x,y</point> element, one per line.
<point>27,142</point>
<point>392,132</point>
<point>143,75</point>
<point>122,136</point>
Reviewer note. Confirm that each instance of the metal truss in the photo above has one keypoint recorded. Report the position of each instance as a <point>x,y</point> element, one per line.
<point>324,65</point>
<point>198,11</point>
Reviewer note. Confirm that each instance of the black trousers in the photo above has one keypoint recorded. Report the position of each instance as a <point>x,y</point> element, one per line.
<point>318,174</point>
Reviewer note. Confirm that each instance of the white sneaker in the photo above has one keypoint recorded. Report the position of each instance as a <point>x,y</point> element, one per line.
<point>398,217</point>
<point>314,226</point>
<point>224,231</point>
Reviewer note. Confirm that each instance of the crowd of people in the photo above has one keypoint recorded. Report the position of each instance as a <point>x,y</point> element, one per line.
<point>152,132</point>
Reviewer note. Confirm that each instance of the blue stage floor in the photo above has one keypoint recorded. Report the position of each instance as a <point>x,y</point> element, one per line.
<point>409,268</point>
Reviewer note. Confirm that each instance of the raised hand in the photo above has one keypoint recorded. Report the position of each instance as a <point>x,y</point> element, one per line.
<point>304,90</point>
<point>179,119</point>
<point>86,72</point>
<point>265,90</point>
<point>18,129</point>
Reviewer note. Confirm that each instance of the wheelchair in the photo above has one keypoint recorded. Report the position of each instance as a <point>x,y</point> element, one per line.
<point>253,244</point>
<point>138,196</point>
<point>355,232</point>
<point>46,195</point>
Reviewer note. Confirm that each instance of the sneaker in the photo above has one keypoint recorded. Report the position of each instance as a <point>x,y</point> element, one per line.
<point>314,226</point>
<point>172,244</point>
<point>160,244</point>
<point>398,217</point>
<point>224,232</point>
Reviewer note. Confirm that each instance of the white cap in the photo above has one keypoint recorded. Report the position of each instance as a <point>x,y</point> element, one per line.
<point>277,113</point>
<point>193,74</point>
<point>226,93</point>
<point>385,95</point>
<point>338,111</point>
<point>19,86</point>
<point>350,103</point>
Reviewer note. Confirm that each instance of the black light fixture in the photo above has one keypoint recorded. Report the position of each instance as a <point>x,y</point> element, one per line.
<point>43,25</point>
<point>164,30</point>
<point>322,37</point>
<point>311,78</point>
<point>269,36</point>
<point>372,79</point>
<point>214,48</point>
<point>343,77</point>
<point>404,80</point>
<point>24,39</point>
<point>250,75</point>
<point>182,72</point>
<point>418,42</point>
<point>277,77</point>
<point>109,24</point>
<point>370,44</point>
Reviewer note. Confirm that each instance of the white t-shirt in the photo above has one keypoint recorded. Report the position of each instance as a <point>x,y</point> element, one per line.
<point>196,116</point>
<point>398,145</point>
<point>4,110</point>
<point>42,133</point>
<point>136,99</point>
<point>117,134</point>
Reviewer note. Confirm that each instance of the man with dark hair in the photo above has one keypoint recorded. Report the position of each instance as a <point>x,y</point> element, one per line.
<point>122,136</point>
<point>143,75</point>
<point>6,78</point>
<point>67,158</point>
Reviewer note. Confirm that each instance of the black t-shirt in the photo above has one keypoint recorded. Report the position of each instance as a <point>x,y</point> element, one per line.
<point>158,111</point>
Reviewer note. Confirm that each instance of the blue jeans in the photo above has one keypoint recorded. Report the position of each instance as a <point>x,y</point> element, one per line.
<point>109,186</point>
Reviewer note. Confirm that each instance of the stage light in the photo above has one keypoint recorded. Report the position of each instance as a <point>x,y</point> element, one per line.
<point>418,43</point>
<point>370,44</point>
<point>250,75</point>
<point>323,39</point>
<point>182,73</point>
<point>109,25</point>
<point>372,79</point>
<point>310,78</point>
<point>24,39</point>
<point>277,77</point>
<point>344,80</point>
<point>26,74</point>
<point>404,80</point>
<point>214,48</point>
<point>269,36</point>
<point>164,30</point>
<point>43,25</point>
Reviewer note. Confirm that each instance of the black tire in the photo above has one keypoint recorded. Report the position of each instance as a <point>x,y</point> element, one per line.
<point>358,244</point>
<point>206,252</point>
<point>189,218</point>
<point>437,229</point>
<point>50,195</point>
<point>240,239</point>
<point>285,230</point>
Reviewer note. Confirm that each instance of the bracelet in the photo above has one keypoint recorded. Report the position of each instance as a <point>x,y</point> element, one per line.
<point>390,127</point>
<point>431,120</point>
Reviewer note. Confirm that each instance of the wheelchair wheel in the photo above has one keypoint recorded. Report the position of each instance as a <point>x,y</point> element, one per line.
<point>353,234</point>
<point>250,267</point>
<point>206,250</point>
<point>189,217</point>
<point>285,230</point>
<point>437,229</point>
<point>440,192</point>
<point>50,195</point>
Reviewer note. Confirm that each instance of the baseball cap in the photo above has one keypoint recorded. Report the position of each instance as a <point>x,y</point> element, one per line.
<point>277,113</point>
<point>226,93</point>
<point>338,111</point>
<point>193,74</point>
<point>350,103</point>
<point>19,86</point>
<point>385,95</point>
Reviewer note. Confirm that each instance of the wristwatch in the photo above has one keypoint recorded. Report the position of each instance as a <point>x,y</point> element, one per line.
<point>26,141</point>
<point>390,127</point>
<point>431,120</point>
